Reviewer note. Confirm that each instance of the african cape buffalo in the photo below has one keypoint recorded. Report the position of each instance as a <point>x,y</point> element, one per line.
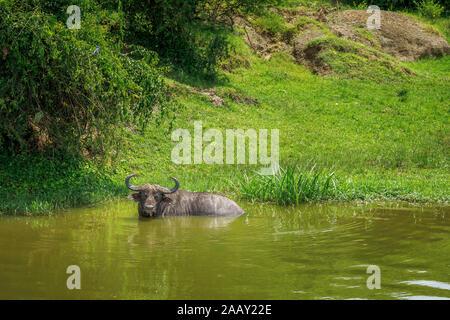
<point>156,201</point>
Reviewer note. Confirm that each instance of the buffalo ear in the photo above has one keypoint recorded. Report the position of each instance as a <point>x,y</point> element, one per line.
<point>134,197</point>
<point>167,200</point>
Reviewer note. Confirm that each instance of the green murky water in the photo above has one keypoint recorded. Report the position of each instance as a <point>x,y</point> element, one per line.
<point>311,252</point>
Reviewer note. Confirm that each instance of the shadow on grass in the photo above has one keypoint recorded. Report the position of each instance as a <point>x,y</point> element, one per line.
<point>199,81</point>
<point>34,184</point>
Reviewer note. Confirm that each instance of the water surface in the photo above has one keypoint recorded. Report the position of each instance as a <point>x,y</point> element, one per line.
<point>311,252</point>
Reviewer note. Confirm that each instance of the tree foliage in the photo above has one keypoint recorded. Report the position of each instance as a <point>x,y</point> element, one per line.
<point>55,93</point>
<point>395,4</point>
<point>178,29</point>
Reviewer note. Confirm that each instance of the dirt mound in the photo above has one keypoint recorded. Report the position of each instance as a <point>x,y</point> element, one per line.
<point>311,58</point>
<point>302,40</point>
<point>302,25</point>
<point>349,59</point>
<point>400,36</point>
<point>328,41</point>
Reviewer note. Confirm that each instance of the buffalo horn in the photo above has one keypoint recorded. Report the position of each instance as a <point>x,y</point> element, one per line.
<point>130,186</point>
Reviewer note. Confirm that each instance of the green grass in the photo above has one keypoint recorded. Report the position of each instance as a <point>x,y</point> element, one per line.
<point>270,23</point>
<point>296,3</point>
<point>351,59</point>
<point>39,185</point>
<point>290,185</point>
<point>305,22</point>
<point>384,137</point>
<point>294,185</point>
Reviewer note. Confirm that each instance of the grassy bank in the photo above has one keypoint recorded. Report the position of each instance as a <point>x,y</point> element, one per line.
<point>383,138</point>
<point>294,185</point>
<point>38,185</point>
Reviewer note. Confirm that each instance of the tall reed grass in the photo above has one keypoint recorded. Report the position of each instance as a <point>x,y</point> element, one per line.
<point>289,185</point>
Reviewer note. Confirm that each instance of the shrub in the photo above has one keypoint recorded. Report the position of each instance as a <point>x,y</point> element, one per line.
<point>429,9</point>
<point>392,4</point>
<point>55,93</point>
<point>186,33</point>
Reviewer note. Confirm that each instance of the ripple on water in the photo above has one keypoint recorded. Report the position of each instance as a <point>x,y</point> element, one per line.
<point>271,252</point>
<point>429,283</point>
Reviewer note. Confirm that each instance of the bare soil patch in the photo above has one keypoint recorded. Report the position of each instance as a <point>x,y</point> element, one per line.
<point>400,36</point>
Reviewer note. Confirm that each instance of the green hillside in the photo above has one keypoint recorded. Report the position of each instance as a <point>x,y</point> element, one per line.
<point>377,126</point>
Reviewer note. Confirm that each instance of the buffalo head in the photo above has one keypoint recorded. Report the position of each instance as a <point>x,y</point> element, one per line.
<point>150,197</point>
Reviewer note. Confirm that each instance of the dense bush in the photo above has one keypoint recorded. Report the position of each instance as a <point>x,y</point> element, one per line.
<point>55,93</point>
<point>394,4</point>
<point>429,8</point>
<point>178,29</point>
